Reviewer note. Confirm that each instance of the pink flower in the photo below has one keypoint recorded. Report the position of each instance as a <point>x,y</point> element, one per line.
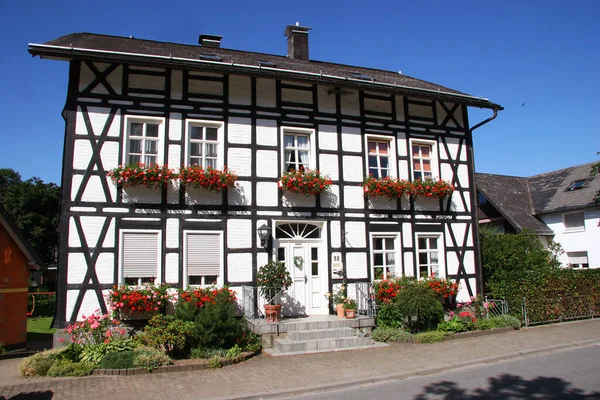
<point>61,340</point>
<point>107,341</point>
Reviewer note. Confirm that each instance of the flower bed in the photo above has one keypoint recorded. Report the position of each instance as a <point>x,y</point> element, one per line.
<point>395,188</point>
<point>130,299</point>
<point>304,181</point>
<point>152,176</point>
<point>210,179</point>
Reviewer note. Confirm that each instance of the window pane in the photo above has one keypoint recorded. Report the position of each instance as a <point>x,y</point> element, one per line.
<point>415,150</point>
<point>390,259</point>
<point>314,254</point>
<point>389,243</point>
<point>384,173</point>
<point>422,243</point>
<point>196,149</point>
<point>194,280</point>
<point>210,280</point>
<point>303,157</point>
<point>211,150</point>
<point>281,254</point>
<point>422,258</point>
<point>290,156</point>
<point>136,129</point>
<point>428,175</point>
<point>374,172</point>
<point>151,147</point>
<point>434,257</point>
<point>133,159</point>
<point>288,141</point>
<point>147,280</point>
<point>315,269</point>
<point>131,281</point>
<point>426,165</point>
<point>435,270</point>
<point>211,133</point>
<point>152,130</point>
<point>210,162</point>
<point>383,148</point>
<point>423,271</point>
<point>378,243</point>
<point>433,243</point>
<point>379,273</point>
<point>425,150</point>
<point>417,165</point>
<point>372,147</point>
<point>418,175</point>
<point>385,162</point>
<point>373,161</point>
<point>196,132</point>
<point>149,160</point>
<point>302,142</point>
<point>135,146</point>
<point>378,259</point>
<point>195,161</point>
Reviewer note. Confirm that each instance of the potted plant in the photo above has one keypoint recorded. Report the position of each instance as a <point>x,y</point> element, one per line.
<point>273,278</point>
<point>137,303</point>
<point>435,189</point>
<point>304,181</point>
<point>210,179</point>
<point>350,307</point>
<point>139,174</point>
<point>337,299</point>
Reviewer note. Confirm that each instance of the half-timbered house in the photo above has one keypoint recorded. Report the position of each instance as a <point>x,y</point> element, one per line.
<point>258,114</point>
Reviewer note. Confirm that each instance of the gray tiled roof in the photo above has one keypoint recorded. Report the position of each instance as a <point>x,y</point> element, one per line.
<point>520,200</point>
<point>95,42</point>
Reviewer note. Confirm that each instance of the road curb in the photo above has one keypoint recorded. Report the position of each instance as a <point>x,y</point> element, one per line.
<point>401,376</point>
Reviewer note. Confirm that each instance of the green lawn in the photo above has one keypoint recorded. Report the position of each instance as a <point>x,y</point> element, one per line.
<point>38,329</point>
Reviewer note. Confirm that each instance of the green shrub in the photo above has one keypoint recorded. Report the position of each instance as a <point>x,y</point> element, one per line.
<point>389,316</point>
<point>2,349</point>
<point>432,336</point>
<point>44,304</point>
<point>169,335</point>
<point>250,341</point>
<point>217,325</point>
<point>117,360</point>
<point>458,324</point>
<point>94,353</point>
<point>186,311</point>
<point>39,363</point>
<point>419,307</point>
<point>385,334</point>
<point>69,368</point>
<point>215,362</point>
<point>149,358</point>
<point>206,353</point>
<point>234,352</point>
<point>502,321</point>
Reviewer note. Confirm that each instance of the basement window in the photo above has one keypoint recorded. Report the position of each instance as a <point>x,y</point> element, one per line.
<point>210,57</point>
<point>578,184</point>
<point>359,75</point>
<point>265,63</point>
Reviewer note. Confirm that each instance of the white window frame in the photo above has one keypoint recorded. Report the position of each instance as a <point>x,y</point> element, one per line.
<point>576,229</point>
<point>571,255</point>
<point>312,157</point>
<point>220,138</point>
<point>440,250</point>
<point>386,235</point>
<point>435,172</point>
<point>393,160</point>
<point>160,157</point>
<point>157,279</point>
<point>220,278</point>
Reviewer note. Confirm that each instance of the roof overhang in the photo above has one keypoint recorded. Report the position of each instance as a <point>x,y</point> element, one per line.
<point>73,53</point>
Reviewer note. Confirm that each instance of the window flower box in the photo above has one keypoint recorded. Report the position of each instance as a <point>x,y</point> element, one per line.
<point>395,188</point>
<point>132,175</point>
<point>131,302</point>
<point>437,189</point>
<point>304,181</point>
<point>210,179</point>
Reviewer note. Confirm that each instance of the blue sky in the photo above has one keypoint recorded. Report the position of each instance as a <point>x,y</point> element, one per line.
<point>545,54</point>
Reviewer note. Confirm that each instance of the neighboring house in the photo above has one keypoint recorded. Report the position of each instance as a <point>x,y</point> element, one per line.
<point>557,205</point>
<point>259,114</point>
<point>17,260</point>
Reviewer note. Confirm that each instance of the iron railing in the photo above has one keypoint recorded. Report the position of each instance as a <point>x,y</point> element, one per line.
<point>495,307</point>
<point>365,299</point>
<point>543,310</point>
<point>254,299</point>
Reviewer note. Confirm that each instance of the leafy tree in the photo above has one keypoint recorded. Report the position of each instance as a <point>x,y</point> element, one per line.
<point>34,206</point>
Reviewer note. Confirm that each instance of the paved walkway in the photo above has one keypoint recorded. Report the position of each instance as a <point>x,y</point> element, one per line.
<point>264,376</point>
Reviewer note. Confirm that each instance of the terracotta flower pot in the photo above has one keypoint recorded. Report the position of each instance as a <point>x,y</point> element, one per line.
<point>350,314</point>
<point>273,312</point>
<point>339,308</point>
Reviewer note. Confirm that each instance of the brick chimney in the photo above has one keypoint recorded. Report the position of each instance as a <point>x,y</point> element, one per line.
<point>210,40</point>
<point>297,41</point>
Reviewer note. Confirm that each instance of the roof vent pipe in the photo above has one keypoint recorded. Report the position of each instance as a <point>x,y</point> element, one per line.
<point>297,41</point>
<point>210,40</point>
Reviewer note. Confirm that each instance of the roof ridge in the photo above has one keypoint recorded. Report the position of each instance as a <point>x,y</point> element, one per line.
<point>563,169</point>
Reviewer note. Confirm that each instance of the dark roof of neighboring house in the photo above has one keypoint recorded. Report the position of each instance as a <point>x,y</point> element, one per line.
<point>106,47</point>
<point>520,200</point>
<point>16,235</point>
<point>510,195</point>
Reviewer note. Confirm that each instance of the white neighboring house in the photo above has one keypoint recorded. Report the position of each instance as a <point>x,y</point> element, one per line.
<point>557,205</point>
<point>259,114</point>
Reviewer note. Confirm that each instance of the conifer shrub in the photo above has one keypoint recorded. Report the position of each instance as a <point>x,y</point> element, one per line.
<point>117,360</point>
<point>217,325</point>
<point>418,307</point>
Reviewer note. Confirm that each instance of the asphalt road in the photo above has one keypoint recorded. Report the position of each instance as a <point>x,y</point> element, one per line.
<point>560,375</point>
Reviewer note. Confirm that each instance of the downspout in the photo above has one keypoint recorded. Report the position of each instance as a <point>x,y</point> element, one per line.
<point>476,244</point>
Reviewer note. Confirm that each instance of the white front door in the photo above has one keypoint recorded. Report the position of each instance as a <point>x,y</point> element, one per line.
<point>305,263</point>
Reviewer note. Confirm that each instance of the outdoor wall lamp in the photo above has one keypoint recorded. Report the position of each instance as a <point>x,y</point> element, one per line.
<point>263,234</point>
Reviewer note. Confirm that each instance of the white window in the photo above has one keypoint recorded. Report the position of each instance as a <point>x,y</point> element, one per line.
<point>428,256</point>
<point>381,156</point>
<point>140,255</point>
<point>424,159</point>
<point>144,140</point>
<point>204,144</point>
<point>384,256</point>
<point>574,222</point>
<point>298,149</point>
<point>203,257</point>
<point>578,259</point>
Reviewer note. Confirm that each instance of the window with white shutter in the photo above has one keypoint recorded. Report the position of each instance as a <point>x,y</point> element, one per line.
<point>203,258</point>
<point>140,257</point>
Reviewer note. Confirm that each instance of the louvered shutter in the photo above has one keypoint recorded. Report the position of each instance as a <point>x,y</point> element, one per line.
<point>140,254</point>
<point>203,254</point>
<point>578,257</point>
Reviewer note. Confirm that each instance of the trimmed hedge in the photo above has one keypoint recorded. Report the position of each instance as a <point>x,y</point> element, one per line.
<point>117,360</point>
